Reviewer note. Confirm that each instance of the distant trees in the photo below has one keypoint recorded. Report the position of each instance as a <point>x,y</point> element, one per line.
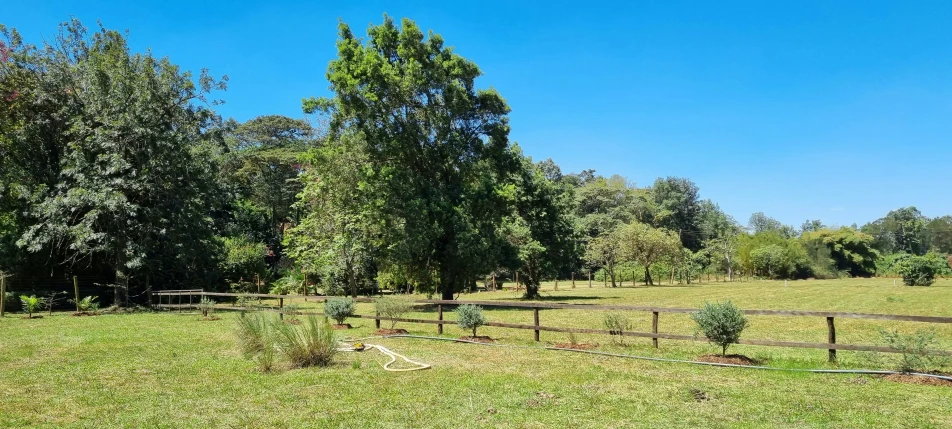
<point>605,251</point>
<point>647,246</point>
<point>112,154</point>
<point>114,163</point>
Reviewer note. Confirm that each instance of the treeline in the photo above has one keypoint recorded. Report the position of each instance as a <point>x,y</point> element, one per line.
<point>114,164</point>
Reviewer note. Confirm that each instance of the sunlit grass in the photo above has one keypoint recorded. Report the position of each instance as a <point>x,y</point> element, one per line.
<point>172,370</point>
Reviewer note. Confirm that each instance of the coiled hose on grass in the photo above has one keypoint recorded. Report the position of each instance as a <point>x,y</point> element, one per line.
<point>655,359</point>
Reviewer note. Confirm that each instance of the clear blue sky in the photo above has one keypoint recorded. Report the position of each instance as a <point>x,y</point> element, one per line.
<point>833,110</point>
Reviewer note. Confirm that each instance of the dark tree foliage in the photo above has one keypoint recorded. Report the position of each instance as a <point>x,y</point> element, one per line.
<point>438,143</point>
<point>678,209</point>
<point>112,151</point>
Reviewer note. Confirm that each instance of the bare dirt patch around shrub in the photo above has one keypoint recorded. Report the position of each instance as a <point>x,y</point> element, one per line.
<point>729,359</point>
<point>479,339</point>
<point>918,379</point>
<point>386,332</point>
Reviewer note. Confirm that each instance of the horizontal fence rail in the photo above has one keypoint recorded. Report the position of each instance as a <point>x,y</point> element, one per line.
<point>832,346</point>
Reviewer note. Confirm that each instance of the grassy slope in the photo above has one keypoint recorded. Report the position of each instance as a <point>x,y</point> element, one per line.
<point>170,370</point>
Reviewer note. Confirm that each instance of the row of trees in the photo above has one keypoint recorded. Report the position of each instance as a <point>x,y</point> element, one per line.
<point>115,163</point>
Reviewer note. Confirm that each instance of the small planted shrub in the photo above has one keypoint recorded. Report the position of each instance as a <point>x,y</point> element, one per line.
<point>207,307</point>
<point>617,324</point>
<point>339,309</point>
<point>917,351</point>
<point>917,271</point>
<point>246,301</point>
<point>291,313</point>
<point>469,316</point>
<point>31,304</point>
<point>87,305</point>
<point>393,307</point>
<point>312,344</point>
<point>721,323</point>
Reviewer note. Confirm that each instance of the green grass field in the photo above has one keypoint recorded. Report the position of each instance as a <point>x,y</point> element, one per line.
<point>172,370</point>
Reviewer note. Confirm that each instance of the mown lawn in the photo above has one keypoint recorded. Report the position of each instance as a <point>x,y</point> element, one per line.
<point>172,370</point>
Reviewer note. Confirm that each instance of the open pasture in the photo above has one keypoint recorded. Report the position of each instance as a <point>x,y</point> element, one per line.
<point>172,370</point>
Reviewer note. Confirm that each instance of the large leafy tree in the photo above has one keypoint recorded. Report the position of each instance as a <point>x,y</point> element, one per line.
<point>852,251</point>
<point>540,227</point>
<point>901,230</point>
<point>678,209</point>
<point>605,251</point>
<point>940,233</point>
<point>262,167</point>
<point>128,181</point>
<point>438,144</point>
<point>647,245</point>
<point>337,234</point>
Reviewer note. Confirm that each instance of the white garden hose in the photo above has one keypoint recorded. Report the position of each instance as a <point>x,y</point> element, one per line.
<point>393,358</point>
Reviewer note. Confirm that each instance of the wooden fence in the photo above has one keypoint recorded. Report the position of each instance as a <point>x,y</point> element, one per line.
<point>831,345</point>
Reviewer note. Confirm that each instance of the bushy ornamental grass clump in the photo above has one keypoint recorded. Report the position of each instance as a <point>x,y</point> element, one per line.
<point>470,316</point>
<point>339,309</point>
<point>252,331</point>
<point>393,307</point>
<point>256,339</point>
<point>312,344</point>
<point>721,323</point>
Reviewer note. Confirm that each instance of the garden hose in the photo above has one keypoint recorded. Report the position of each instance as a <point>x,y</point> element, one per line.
<point>359,346</point>
<point>655,359</point>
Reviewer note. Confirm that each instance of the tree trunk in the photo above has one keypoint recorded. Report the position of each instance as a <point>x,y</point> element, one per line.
<point>648,280</point>
<point>352,279</point>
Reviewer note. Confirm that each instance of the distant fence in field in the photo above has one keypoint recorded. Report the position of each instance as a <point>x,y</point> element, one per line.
<point>194,296</point>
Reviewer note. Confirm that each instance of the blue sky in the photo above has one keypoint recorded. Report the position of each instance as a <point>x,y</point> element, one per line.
<point>839,111</point>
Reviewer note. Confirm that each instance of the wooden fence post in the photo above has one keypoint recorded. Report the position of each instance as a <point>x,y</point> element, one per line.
<point>573,279</point>
<point>654,327</point>
<point>517,280</point>
<point>556,282</point>
<point>281,308</point>
<point>3,293</point>
<point>536,315</point>
<point>377,321</point>
<point>148,290</point>
<point>439,309</point>
<point>832,337</point>
<point>589,278</point>
<point>494,282</point>
<point>75,293</point>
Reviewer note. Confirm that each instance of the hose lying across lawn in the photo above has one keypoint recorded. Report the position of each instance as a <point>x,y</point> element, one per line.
<point>729,365</point>
<point>393,357</point>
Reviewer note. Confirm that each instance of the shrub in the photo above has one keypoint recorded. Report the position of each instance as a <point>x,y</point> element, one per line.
<point>917,271</point>
<point>616,324</point>
<point>246,301</point>
<point>88,304</point>
<point>206,306</point>
<point>291,311</point>
<point>393,307</point>
<point>916,350</point>
<point>31,304</point>
<point>313,344</point>
<point>339,309</point>
<point>721,323</point>
<point>469,316</point>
